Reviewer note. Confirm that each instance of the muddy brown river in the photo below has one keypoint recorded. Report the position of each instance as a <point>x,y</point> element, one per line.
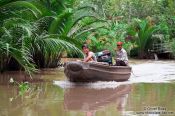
<point>149,92</point>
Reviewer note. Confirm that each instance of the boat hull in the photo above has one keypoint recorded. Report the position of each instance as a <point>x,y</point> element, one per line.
<point>91,72</point>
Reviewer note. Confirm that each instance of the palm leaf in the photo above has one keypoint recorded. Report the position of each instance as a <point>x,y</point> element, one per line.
<point>58,23</point>
<point>25,4</point>
<point>18,23</point>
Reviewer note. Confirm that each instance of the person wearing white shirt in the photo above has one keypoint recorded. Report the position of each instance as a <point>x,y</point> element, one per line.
<point>121,55</point>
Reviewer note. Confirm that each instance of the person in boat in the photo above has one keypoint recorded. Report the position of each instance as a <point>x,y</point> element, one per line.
<point>121,55</point>
<point>88,55</point>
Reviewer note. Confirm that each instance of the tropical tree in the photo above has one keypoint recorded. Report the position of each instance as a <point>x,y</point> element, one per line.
<point>13,47</point>
<point>40,31</point>
<point>140,32</point>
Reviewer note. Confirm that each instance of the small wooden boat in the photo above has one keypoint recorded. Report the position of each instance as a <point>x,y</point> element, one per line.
<point>77,71</point>
<point>89,99</point>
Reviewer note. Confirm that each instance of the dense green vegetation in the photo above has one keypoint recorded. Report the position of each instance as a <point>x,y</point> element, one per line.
<point>138,23</point>
<point>35,33</point>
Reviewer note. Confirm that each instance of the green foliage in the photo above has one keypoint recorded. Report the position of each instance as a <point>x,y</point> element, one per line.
<point>23,87</point>
<point>35,33</point>
<point>159,14</point>
<point>107,36</point>
<point>141,32</point>
<point>14,33</point>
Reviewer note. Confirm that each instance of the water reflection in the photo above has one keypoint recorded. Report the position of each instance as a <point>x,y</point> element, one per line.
<point>90,100</point>
<point>46,99</point>
<point>40,100</point>
<point>44,75</point>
